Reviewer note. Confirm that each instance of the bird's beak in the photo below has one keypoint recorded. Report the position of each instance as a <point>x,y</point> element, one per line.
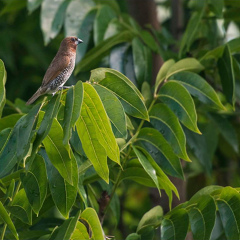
<point>80,41</point>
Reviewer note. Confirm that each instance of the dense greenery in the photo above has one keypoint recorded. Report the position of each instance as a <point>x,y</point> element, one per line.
<point>79,165</point>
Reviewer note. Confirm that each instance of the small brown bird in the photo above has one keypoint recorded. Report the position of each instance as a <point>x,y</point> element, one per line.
<point>60,68</point>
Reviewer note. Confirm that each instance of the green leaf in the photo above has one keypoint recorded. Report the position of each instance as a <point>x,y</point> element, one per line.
<point>217,7</point>
<point>123,88</point>
<point>80,15</point>
<point>3,78</point>
<point>9,121</point>
<point>177,98</point>
<point>80,232</point>
<point>202,217</point>
<point>63,194</point>
<point>104,15</point>
<point>228,207</point>
<point>186,64</point>
<point>151,219</point>
<point>91,146</point>
<point>114,111</point>
<point>199,88</point>
<point>99,118</point>
<point>52,17</point>
<point>191,30</point>
<point>19,142</point>
<point>65,231</point>
<point>133,236</point>
<point>162,74</point>
<point>4,217</point>
<point>147,167</point>
<point>175,226</point>
<point>164,120</point>
<point>113,4</point>
<point>227,130</point>
<point>94,56</point>
<point>142,58</point>
<point>20,207</point>
<point>35,183</point>
<point>4,137</point>
<point>46,120</point>
<point>161,151</point>
<point>72,109</point>
<point>90,216</point>
<point>33,5</point>
<point>59,153</point>
<point>225,68</point>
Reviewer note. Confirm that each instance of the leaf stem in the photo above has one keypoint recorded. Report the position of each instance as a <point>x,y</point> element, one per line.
<point>3,231</point>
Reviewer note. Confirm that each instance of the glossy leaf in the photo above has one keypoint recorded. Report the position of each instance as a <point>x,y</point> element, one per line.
<point>164,120</point>
<point>162,74</point>
<point>177,98</point>
<point>35,183</point>
<point>151,219</point>
<point>90,216</point>
<point>19,142</point>
<point>94,56</point>
<point>63,194</point>
<point>228,206</point>
<point>202,217</point>
<point>80,232</point>
<point>59,153</point>
<point>104,15</point>
<point>142,58</point>
<point>91,145</point>
<point>33,5</point>
<point>114,111</point>
<point>199,88</point>
<point>123,88</point>
<point>65,231</point>
<point>3,78</point>
<point>4,217</point>
<point>99,118</point>
<point>20,207</point>
<point>9,121</point>
<point>80,15</point>
<point>52,16</point>
<point>225,68</point>
<point>161,151</point>
<point>147,166</point>
<point>175,226</point>
<point>72,110</point>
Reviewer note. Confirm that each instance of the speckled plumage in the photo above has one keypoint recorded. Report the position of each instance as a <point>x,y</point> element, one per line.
<point>60,68</point>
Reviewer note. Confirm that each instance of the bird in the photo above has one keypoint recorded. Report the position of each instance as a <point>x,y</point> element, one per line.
<point>59,70</point>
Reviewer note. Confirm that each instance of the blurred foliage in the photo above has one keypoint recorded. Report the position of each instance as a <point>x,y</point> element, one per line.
<point>198,85</point>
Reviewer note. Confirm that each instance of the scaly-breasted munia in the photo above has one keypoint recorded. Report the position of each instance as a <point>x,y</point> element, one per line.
<point>60,68</point>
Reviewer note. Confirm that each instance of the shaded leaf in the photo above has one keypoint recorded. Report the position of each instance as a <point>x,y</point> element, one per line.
<point>175,226</point>
<point>4,216</point>
<point>161,151</point>
<point>114,111</point>
<point>9,121</point>
<point>35,183</point>
<point>123,88</point>
<point>33,5</point>
<point>20,207</point>
<point>164,120</point>
<point>72,109</point>
<point>177,98</point>
<point>225,68</point>
<point>90,216</point>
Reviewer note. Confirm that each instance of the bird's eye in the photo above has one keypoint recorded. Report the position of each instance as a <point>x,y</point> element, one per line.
<point>72,39</point>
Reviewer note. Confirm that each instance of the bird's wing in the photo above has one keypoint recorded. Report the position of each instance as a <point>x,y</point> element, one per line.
<point>58,64</point>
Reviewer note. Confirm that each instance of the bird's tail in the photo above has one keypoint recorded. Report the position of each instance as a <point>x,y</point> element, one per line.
<point>36,95</point>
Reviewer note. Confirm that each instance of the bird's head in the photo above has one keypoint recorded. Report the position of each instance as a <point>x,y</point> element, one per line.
<point>70,42</point>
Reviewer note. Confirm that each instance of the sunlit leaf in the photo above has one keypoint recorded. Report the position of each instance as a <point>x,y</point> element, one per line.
<point>33,4</point>
<point>80,232</point>
<point>3,77</point>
